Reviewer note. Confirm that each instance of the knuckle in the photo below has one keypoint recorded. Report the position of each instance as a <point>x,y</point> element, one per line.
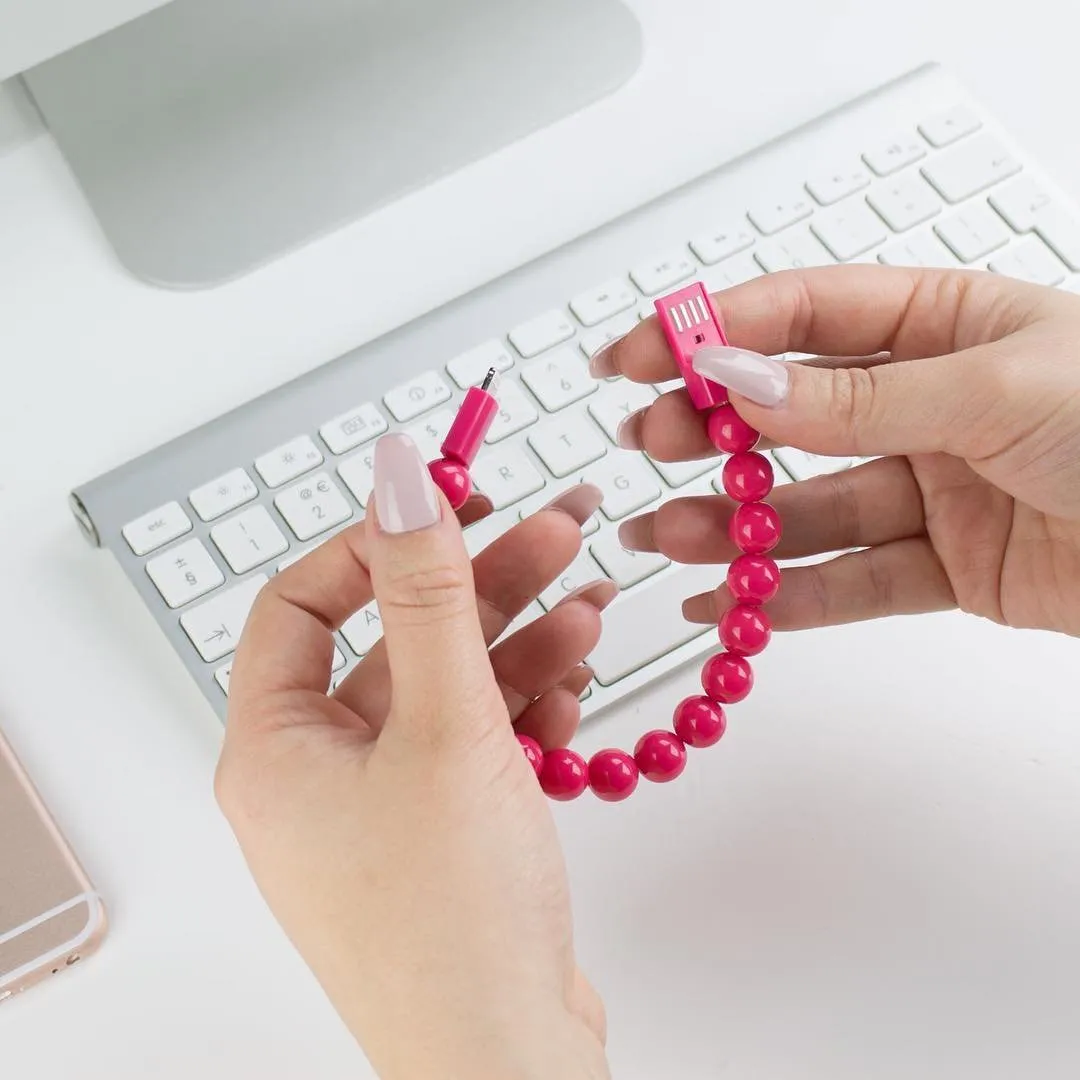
<point>424,589</point>
<point>852,396</point>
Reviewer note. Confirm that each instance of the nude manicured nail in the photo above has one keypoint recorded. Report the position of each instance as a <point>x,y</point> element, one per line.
<point>579,502</point>
<point>602,363</point>
<point>760,378</point>
<point>636,534</point>
<point>629,434</point>
<point>599,593</point>
<point>406,499</point>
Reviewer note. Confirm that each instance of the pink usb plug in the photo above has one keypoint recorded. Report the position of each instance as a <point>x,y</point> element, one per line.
<point>689,322</point>
<point>463,442</point>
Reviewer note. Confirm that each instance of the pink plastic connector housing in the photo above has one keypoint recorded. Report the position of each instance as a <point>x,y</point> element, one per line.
<point>471,425</point>
<point>690,322</point>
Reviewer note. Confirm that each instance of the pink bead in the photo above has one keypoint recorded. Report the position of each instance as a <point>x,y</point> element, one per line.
<point>755,528</point>
<point>564,775</point>
<point>753,579</point>
<point>453,480</point>
<point>748,477</point>
<point>745,630</point>
<point>533,753</point>
<point>699,721</point>
<point>613,775</point>
<point>729,432</point>
<point>660,755</point>
<point>727,678</point>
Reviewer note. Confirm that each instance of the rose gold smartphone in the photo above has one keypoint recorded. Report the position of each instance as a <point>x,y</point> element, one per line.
<point>50,915</point>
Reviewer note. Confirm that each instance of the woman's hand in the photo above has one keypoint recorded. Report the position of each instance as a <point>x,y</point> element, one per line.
<point>395,827</point>
<point>965,385</point>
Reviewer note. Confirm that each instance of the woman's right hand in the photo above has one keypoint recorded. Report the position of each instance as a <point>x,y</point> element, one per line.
<point>966,388</point>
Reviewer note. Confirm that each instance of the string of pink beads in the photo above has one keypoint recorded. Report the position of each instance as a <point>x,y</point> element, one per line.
<point>727,677</point>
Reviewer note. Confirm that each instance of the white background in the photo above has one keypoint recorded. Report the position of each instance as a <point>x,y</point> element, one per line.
<point>878,872</point>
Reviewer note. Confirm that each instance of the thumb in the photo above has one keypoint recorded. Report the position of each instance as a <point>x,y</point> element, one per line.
<point>908,407</point>
<point>422,580</point>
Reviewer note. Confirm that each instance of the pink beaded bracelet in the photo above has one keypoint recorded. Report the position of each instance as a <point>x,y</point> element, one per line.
<point>689,322</point>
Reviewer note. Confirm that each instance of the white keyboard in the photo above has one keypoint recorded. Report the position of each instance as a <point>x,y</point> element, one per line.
<point>914,174</point>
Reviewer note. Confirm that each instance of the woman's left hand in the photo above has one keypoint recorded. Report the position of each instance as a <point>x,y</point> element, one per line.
<point>394,826</point>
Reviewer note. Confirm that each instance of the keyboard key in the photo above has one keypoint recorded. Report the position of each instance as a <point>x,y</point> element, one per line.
<point>849,229</point>
<point>353,428</point>
<point>429,433</point>
<point>582,571</point>
<point>905,202</point>
<point>184,573</point>
<point>249,539</point>
<point>794,250</point>
<point>893,154</point>
<point>677,473</point>
<point>973,232</point>
<point>592,342</point>
<point>949,125</point>
<point>616,401</point>
<point>505,476</point>
<point>214,627</point>
<point>924,249</point>
<point>516,412</point>
<point>567,443</point>
<point>416,396</point>
<point>470,368</point>
<point>544,332</point>
<point>358,475</point>
<point>289,461</point>
<point>626,568</point>
<point>627,482</point>
<point>226,493</point>
<point>363,630</point>
<point>1030,260</point>
<point>647,623</point>
<point>1021,202</point>
<point>338,662</point>
<point>559,380</point>
<point>659,274</point>
<point>802,465</point>
<point>972,167</point>
<point>771,217</point>
<point>596,305</point>
<point>151,531</point>
<point>831,187</point>
<point>1061,233</point>
<point>732,272</point>
<point>721,243</point>
<point>313,506</point>
<point>221,676</point>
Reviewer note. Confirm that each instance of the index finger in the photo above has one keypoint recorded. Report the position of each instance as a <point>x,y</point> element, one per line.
<point>836,310</point>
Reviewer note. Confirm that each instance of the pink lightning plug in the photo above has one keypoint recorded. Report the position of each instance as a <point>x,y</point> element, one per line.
<point>463,442</point>
<point>690,322</point>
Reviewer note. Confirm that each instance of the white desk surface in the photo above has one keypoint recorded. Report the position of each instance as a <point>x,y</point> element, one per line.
<point>877,874</point>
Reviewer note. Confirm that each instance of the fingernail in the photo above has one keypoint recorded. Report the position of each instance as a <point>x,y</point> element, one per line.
<point>636,534</point>
<point>628,434</point>
<point>602,363</point>
<point>599,593</point>
<point>406,498</point>
<point>579,502</point>
<point>760,378</point>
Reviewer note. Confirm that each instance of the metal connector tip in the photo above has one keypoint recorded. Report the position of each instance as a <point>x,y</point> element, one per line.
<point>489,380</point>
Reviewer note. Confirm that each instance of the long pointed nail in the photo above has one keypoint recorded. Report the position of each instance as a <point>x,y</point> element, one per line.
<point>406,499</point>
<point>629,434</point>
<point>602,364</point>
<point>760,378</point>
<point>599,593</point>
<point>580,502</point>
<point>636,534</point>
